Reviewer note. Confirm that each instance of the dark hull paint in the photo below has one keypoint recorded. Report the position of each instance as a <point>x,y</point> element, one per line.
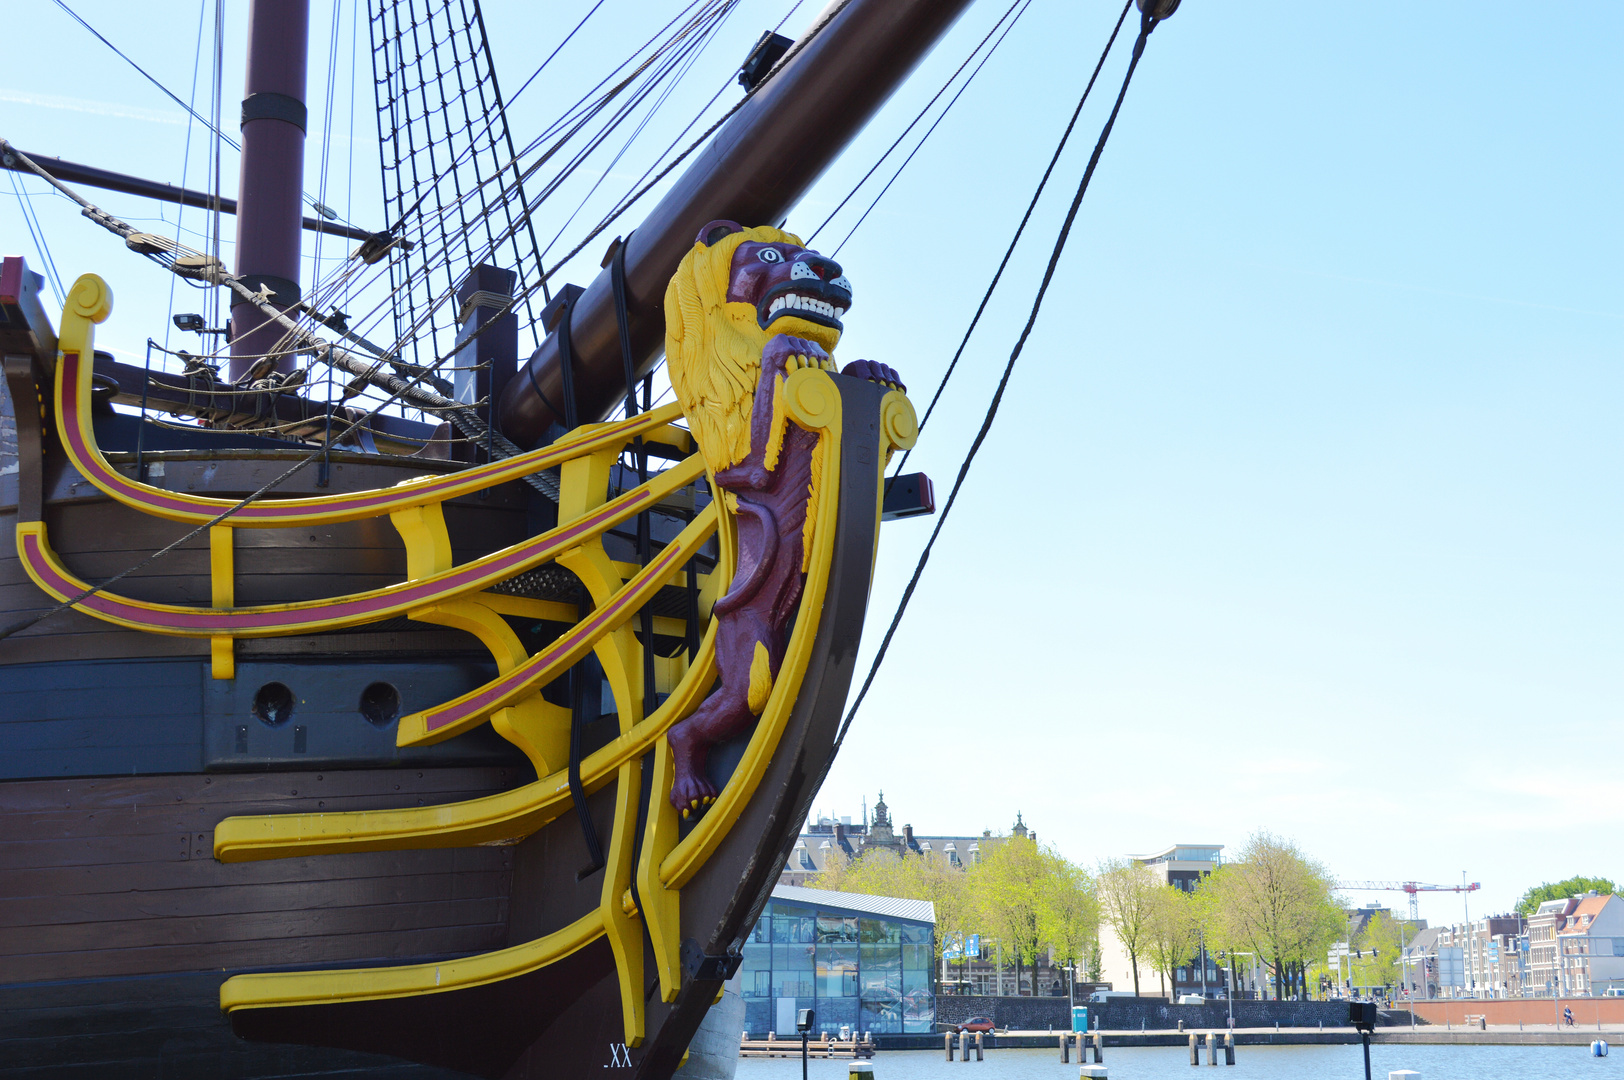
<point>118,926</point>
<point>158,1027</point>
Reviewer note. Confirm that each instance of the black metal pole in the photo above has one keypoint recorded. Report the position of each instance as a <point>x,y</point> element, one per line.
<point>807,1034</point>
<point>71,172</point>
<point>1364,1037</point>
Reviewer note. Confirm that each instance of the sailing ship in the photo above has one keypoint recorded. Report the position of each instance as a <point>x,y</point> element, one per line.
<point>343,741</point>
<point>337,739</point>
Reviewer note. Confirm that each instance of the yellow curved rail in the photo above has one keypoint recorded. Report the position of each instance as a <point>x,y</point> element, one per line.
<point>460,714</point>
<point>438,592</point>
<point>310,616</point>
<point>270,989</point>
<point>90,301</point>
<point>492,819</point>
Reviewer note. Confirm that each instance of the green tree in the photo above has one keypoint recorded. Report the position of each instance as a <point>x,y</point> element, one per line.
<point>1009,885</point>
<point>1275,901</point>
<point>1070,914</point>
<point>1096,962</point>
<point>1376,949</point>
<point>1561,890</point>
<point>1172,934</point>
<point>1128,893</point>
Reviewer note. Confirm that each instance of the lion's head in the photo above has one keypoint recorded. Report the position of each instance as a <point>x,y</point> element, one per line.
<point>734,290</point>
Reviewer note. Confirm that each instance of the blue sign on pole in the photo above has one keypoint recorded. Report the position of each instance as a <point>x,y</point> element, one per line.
<point>973,946</point>
<point>953,947</point>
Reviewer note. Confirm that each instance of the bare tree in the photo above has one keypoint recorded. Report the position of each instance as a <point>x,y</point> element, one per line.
<point>1128,893</point>
<point>1171,934</point>
<point>1277,902</point>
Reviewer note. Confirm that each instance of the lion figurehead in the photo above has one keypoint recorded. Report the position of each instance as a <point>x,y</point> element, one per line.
<point>736,289</point>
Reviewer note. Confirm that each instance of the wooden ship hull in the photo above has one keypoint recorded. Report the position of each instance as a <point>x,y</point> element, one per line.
<point>129,759</point>
<point>368,775</point>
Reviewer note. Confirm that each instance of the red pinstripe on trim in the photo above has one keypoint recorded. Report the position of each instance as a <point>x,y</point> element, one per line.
<point>411,596</point>
<point>91,462</point>
<point>499,692</point>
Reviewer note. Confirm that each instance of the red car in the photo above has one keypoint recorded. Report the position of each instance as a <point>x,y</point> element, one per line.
<point>977,1023</point>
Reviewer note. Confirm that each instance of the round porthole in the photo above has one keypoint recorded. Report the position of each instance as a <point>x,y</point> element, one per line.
<point>273,704</point>
<point>380,704</point>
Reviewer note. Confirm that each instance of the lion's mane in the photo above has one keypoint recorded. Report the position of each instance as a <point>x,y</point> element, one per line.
<point>713,348</point>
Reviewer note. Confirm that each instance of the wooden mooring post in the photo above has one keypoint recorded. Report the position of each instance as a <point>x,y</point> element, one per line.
<point>1065,1049</point>
<point>1229,1048</point>
<point>947,1039</point>
<point>1195,1050</point>
<point>964,1046</point>
<point>978,1046</point>
<point>1099,1048</point>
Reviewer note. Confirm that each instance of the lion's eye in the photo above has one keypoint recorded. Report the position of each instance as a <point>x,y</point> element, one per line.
<point>770,255</point>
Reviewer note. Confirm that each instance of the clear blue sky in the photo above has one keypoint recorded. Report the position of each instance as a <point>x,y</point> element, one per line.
<point>1303,509</point>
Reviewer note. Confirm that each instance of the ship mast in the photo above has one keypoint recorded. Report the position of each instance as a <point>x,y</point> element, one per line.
<point>271,183</point>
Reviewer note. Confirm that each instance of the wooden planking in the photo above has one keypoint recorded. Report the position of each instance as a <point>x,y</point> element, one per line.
<point>159,1028</point>
<point>71,719</point>
<point>97,538</point>
<point>204,873</point>
<point>344,949</point>
<point>138,927</point>
<point>236,791</point>
<point>115,876</point>
<point>279,896</point>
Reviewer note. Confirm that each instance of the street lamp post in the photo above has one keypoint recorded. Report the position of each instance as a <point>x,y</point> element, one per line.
<point>804,1022</point>
<point>1231,969</point>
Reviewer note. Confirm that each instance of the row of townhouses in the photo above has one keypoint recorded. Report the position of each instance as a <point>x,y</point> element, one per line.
<point>1573,947</point>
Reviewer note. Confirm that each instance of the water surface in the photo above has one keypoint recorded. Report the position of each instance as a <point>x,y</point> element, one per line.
<point>1251,1063</point>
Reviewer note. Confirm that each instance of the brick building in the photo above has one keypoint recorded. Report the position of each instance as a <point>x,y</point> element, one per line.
<point>1576,946</point>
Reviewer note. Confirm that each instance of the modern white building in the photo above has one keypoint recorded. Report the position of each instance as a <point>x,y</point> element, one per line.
<point>1181,866</point>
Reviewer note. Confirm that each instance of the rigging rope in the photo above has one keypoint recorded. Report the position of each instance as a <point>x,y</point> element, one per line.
<point>185,162</point>
<point>954,100</point>
<point>410,333</point>
<point>1031,205</point>
<point>214,127</point>
<point>148,76</point>
<point>1147,24</point>
<point>464,418</point>
<point>37,232</point>
<point>529,290</point>
<point>921,115</point>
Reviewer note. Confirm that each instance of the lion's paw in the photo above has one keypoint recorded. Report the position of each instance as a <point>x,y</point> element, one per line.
<point>692,794</point>
<point>883,374</point>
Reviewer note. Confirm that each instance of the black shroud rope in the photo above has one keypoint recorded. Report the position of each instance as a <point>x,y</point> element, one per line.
<point>1016,239</point>
<point>1147,24</point>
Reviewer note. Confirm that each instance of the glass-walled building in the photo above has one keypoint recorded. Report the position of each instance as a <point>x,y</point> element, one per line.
<point>862,962</point>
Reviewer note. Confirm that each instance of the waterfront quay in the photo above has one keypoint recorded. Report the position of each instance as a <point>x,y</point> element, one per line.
<point>1423,1035</point>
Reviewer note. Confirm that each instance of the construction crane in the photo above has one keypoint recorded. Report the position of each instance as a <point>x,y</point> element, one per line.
<point>1411,887</point>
